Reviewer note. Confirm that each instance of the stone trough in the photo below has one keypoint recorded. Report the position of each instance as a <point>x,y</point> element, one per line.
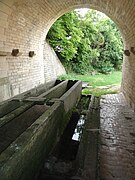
<point>32,126</point>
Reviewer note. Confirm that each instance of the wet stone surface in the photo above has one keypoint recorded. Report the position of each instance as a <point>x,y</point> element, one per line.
<point>117,149</point>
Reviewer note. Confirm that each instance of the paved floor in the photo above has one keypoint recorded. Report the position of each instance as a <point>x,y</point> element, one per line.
<point>117,150</point>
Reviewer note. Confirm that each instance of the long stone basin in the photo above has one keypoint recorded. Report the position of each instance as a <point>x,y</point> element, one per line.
<point>39,130</point>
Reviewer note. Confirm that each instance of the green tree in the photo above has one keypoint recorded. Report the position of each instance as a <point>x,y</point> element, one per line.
<point>87,43</point>
<point>65,35</point>
<point>111,50</point>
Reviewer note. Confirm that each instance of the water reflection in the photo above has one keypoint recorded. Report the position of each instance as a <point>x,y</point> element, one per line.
<point>79,128</point>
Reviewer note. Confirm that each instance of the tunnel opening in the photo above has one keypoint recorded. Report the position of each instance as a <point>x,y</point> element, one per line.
<point>107,58</point>
<point>32,28</point>
<point>23,26</point>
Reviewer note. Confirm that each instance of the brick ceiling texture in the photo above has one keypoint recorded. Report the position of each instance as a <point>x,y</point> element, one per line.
<point>25,23</point>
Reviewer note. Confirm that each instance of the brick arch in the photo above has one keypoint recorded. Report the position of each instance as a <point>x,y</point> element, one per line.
<point>118,11</point>
<point>25,23</point>
<point>62,12</point>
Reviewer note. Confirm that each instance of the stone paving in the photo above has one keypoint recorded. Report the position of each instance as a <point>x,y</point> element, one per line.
<point>117,149</point>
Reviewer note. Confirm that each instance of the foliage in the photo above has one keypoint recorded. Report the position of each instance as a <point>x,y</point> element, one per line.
<point>111,49</point>
<point>65,35</point>
<point>85,44</point>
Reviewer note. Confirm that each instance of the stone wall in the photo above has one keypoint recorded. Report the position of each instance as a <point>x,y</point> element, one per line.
<point>52,65</point>
<point>21,73</point>
<point>18,74</point>
<point>24,25</point>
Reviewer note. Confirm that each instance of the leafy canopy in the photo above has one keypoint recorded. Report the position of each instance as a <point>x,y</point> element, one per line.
<point>85,44</point>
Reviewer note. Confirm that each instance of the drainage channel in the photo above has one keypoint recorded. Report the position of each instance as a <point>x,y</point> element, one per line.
<point>60,165</point>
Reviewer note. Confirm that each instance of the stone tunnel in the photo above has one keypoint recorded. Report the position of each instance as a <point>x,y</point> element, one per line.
<point>24,25</point>
<point>26,59</point>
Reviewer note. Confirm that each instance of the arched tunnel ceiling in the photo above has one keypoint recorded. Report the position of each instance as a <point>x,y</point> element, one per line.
<point>25,23</point>
<point>36,17</point>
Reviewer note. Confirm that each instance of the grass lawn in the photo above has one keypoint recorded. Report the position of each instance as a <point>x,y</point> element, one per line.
<point>96,80</point>
<point>112,81</point>
<point>97,91</point>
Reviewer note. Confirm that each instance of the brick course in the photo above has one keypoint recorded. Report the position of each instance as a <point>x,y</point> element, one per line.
<point>25,23</point>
